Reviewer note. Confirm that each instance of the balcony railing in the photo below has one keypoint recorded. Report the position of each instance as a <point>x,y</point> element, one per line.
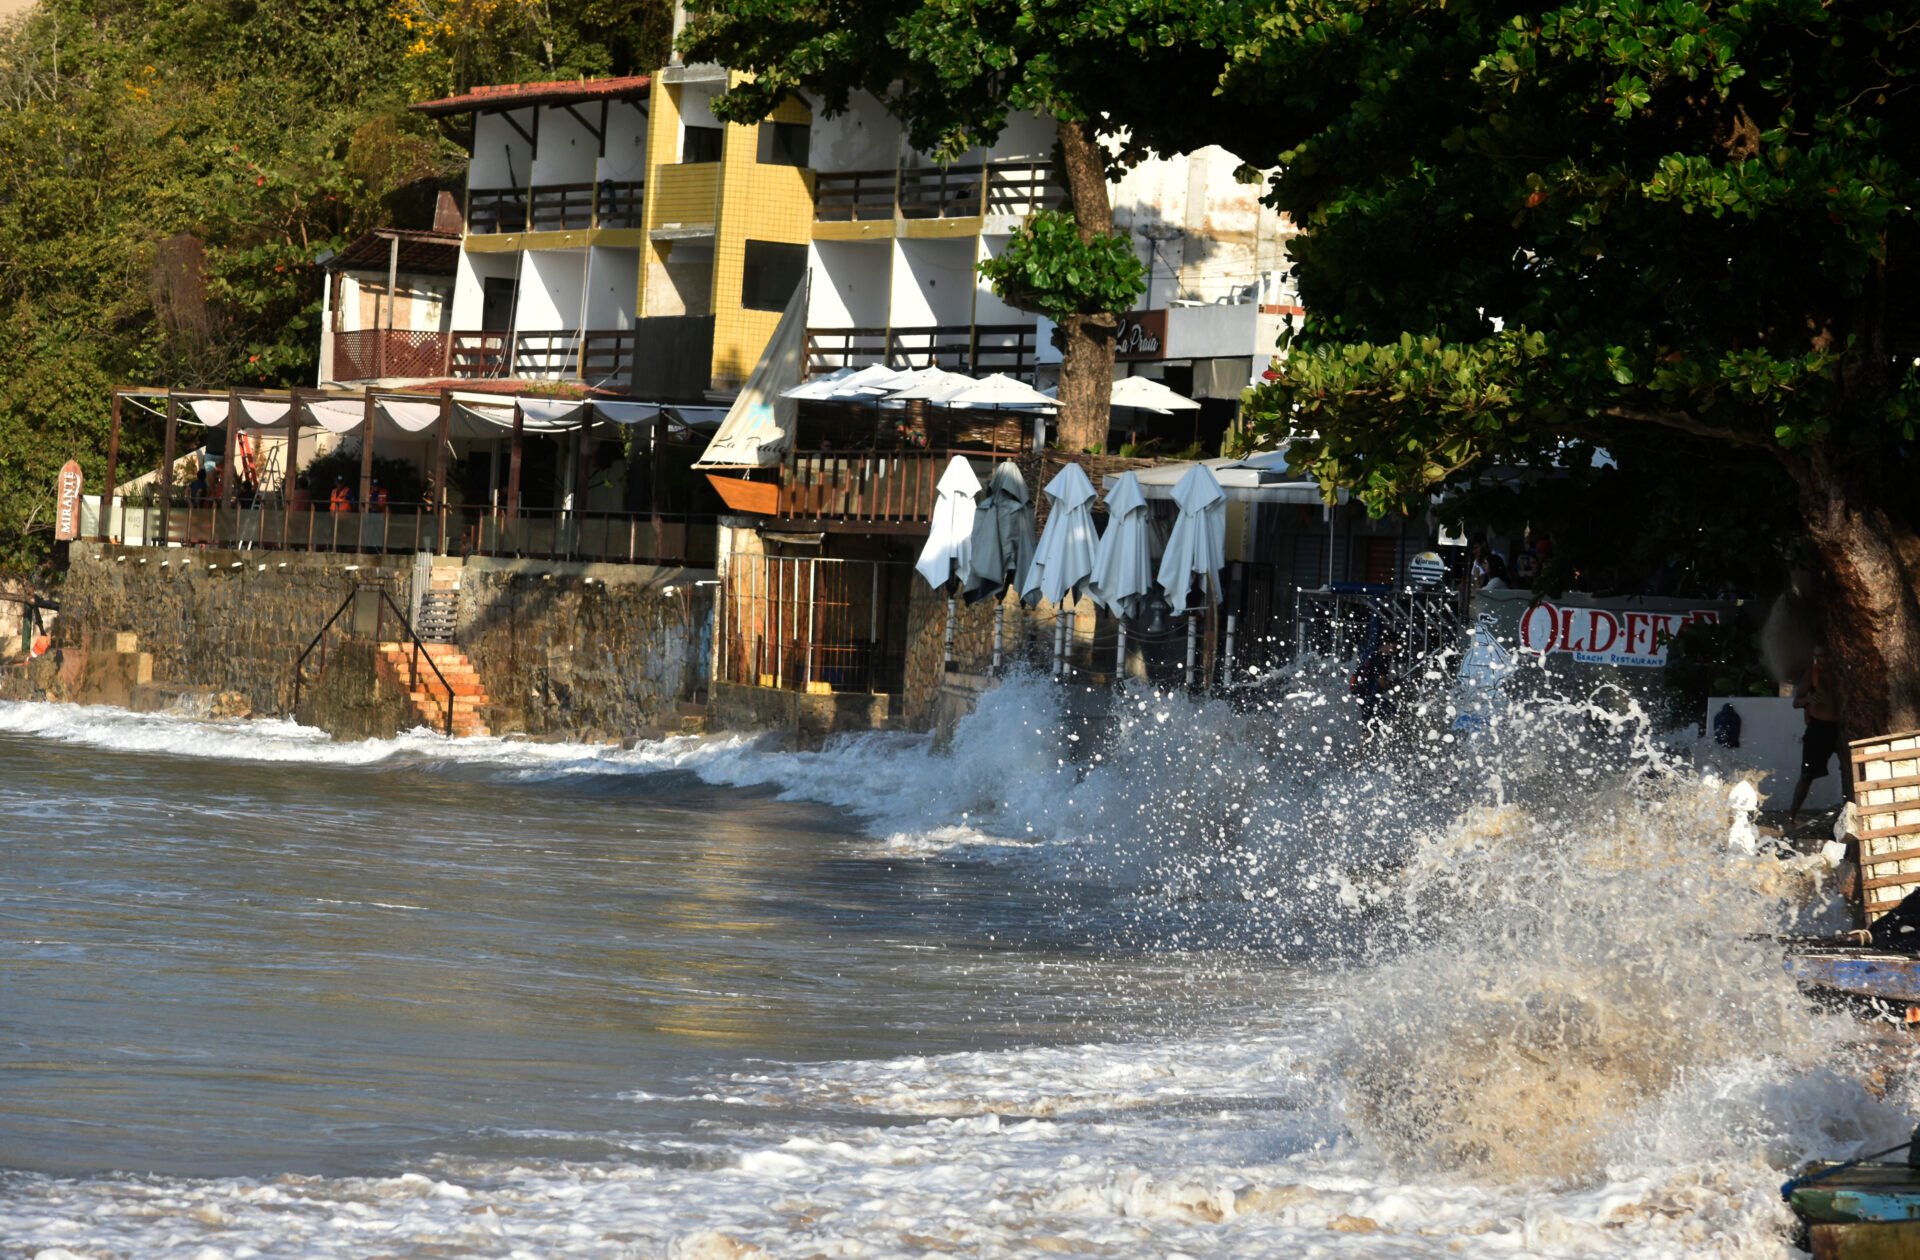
<point>372,354</point>
<point>976,348</point>
<point>555,207</point>
<point>884,487</point>
<point>937,192</point>
<point>562,354</point>
<point>271,523</point>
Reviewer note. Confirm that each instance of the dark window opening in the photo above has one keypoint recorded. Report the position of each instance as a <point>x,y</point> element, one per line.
<point>784,144</point>
<point>702,144</point>
<point>772,273</point>
<point>496,303</point>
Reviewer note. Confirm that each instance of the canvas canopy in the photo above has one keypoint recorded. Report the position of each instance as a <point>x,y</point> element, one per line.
<point>759,426</point>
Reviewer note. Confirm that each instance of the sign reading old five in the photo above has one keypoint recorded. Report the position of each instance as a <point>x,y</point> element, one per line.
<point>66,513</point>
<point>1604,636</point>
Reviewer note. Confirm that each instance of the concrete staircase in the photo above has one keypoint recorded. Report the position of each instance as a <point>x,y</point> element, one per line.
<point>429,697</point>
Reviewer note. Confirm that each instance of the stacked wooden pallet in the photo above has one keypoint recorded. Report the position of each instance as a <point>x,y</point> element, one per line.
<point>1886,795</point>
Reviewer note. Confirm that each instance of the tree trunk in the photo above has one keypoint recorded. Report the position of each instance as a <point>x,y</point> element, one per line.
<point>1086,360</point>
<point>1870,588</point>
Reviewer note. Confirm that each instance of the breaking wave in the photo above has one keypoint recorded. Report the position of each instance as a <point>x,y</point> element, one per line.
<point>1544,1007</point>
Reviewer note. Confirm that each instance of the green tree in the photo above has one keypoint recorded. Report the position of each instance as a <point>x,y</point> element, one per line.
<point>168,174</point>
<point>1673,216</point>
<point>953,70</point>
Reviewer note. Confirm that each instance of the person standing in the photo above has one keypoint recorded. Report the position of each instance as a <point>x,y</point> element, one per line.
<point>1817,694</point>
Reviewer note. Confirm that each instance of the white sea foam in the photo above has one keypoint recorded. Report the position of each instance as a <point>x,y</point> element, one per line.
<point>1560,1026</point>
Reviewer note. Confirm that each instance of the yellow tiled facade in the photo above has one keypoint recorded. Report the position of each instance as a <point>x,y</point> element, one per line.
<point>687,194</point>
<point>741,199</point>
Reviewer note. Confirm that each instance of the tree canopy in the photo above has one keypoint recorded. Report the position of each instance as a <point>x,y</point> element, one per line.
<point>1529,224</point>
<point>170,172</point>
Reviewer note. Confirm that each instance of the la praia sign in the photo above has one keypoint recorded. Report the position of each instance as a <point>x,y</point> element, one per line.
<point>1607,636</point>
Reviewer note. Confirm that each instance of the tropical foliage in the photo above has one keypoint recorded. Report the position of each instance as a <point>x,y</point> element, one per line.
<point>1687,218</point>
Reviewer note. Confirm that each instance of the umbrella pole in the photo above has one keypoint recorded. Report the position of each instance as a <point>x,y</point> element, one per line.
<point>1060,623</point>
<point>946,659</point>
<point>999,621</point>
<point>1233,629</point>
<point>1119,648</point>
<point>1193,644</point>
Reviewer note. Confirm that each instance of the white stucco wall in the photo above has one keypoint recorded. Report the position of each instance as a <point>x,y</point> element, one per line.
<point>551,288</point>
<point>468,296</point>
<point>850,284</point>
<point>498,148</point>
<point>626,157</point>
<point>568,151</point>
<point>932,281</point>
<point>613,285</point>
<point>864,138</point>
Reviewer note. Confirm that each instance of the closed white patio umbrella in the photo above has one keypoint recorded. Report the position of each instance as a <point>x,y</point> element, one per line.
<point>1063,558</point>
<point>1123,562</point>
<point>1002,541</point>
<point>1197,548</point>
<point>950,540</point>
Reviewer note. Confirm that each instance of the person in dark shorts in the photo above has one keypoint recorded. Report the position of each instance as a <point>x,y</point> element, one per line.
<point>1818,696</point>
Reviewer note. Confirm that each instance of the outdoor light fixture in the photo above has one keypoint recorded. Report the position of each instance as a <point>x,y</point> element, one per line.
<point>283,564</point>
<point>351,568</point>
<point>120,559</point>
<point>237,565</point>
<point>263,568</point>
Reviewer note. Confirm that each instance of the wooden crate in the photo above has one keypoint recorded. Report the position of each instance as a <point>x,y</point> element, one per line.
<point>1886,797</point>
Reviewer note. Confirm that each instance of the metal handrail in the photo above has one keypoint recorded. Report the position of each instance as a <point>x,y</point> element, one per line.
<point>300,663</point>
<point>386,597</point>
<point>387,601</point>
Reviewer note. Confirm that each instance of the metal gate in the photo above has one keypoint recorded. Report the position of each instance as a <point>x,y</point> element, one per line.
<point>814,624</point>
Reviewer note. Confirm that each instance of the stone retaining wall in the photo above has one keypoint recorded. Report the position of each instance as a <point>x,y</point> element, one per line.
<point>582,652</point>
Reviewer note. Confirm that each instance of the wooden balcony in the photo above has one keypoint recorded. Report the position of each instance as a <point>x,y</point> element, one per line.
<point>937,192</point>
<point>555,207</point>
<point>374,354</point>
<point>595,356</point>
<point>975,348</point>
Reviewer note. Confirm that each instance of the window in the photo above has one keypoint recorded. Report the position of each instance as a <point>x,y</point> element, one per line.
<point>772,273</point>
<point>784,144</point>
<point>702,144</point>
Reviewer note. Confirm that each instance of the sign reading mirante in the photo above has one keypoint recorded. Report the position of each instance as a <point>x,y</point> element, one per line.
<point>66,516</point>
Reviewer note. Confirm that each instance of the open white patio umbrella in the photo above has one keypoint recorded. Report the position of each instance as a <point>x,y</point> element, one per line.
<point>1150,395</point>
<point>950,540</point>
<point>1002,541</point>
<point>997,390</point>
<point>1063,558</point>
<point>1197,548</point>
<point>819,387</point>
<point>930,384</point>
<point>1123,562</point>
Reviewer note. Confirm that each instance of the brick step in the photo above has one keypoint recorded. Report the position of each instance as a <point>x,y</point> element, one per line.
<point>476,700</point>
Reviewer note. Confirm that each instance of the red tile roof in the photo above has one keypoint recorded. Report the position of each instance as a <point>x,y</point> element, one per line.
<point>521,95</point>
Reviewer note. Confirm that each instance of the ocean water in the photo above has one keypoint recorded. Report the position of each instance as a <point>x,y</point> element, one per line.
<point>1217,980</point>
